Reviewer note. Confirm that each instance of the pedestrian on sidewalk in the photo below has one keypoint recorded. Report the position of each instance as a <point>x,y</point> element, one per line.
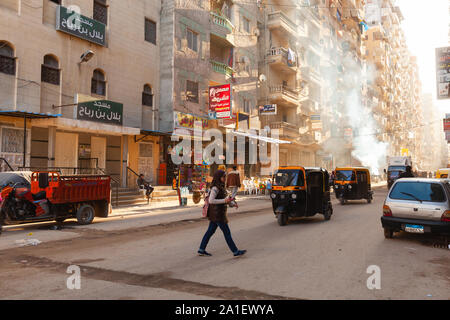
<point>233,183</point>
<point>217,215</point>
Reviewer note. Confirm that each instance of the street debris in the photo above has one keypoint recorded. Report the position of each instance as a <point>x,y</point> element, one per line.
<point>28,242</point>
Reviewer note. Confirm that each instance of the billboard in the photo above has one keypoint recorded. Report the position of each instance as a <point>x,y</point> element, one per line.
<point>268,110</point>
<point>220,102</point>
<point>443,73</point>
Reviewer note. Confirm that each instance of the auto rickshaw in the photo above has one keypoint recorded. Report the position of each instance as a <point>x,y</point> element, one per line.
<point>352,183</point>
<point>300,192</point>
<point>442,173</point>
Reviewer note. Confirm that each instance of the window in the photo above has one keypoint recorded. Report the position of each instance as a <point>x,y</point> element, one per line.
<point>414,191</point>
<point>246,105</point>
<point>50,72</point>
<point>7,60</point>
<point>12,140</point>
<point>192,40</point>
<point>150,31</point>
<point>246,24</point>
<point>56,1</point>
<point>192,91</point>
<point>101,11</point>
<point>98,85</point>
<point>147,96</point>
<point>146,150</point>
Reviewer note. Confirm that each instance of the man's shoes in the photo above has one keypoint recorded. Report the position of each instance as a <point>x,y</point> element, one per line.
<point>240,253</point>
<point>204,253</point>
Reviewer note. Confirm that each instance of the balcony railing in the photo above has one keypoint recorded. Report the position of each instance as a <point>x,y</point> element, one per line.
<point>222,21</point>
<point>283,52</point>
<point>285,128</point>
<point>284,90</point>
<point>222,68</point>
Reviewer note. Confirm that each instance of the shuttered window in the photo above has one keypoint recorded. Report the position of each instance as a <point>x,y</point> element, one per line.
<point>50,72</point>
<point>101,11</point>
<point>98,85</point>
<point>7,60</point>
<point>147,96</point>
<point>150,31</point>
<point>192,91</point>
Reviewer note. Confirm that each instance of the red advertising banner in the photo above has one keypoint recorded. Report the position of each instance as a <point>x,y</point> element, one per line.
<point>447,124</point>
<point>220,101</point>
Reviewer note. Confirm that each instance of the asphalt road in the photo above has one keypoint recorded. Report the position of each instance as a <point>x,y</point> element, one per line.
<point>308,259</point>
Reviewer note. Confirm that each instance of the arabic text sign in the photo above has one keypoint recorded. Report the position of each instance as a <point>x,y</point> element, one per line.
<point>220,101</point>
<point>443,72</point>
<point>80,26</point>
<point>101,111</point>
<point>267,110</point>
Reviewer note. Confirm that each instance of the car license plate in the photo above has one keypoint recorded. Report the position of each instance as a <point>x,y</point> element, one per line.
<point>413,228</point>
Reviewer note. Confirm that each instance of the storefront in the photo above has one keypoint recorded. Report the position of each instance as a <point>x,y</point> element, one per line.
<point>15,138</point>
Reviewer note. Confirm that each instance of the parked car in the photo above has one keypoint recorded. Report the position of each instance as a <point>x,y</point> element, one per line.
<point>417,205</point>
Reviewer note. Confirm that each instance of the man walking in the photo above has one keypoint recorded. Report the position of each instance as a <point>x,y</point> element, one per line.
<point>233,183</point>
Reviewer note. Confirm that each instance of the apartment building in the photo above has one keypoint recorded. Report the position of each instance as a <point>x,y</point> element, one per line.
<point>208,43</point>
<point>395,92</point>
<point>80,77</point>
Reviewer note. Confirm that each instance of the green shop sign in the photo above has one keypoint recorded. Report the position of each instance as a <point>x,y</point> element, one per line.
<point>101,111</point>
<point>75,24</point>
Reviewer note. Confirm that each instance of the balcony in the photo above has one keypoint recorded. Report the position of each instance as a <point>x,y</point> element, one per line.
<point>283,95</point>
<point>222,68</point>
<point>285,129</point>
<point>221,24</point>
<point>310,74</point>
<point>280,22</point>
<point>278,58</point>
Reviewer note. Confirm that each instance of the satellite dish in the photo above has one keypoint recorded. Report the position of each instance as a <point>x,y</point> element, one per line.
<point>262,78</point>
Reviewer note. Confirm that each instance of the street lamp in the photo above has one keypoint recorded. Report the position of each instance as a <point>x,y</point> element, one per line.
<point>85,57</point>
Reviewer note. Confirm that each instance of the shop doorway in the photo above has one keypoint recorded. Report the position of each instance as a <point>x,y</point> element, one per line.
<point>98,151</point>
<point>66,150</point>
<point>145,165</point>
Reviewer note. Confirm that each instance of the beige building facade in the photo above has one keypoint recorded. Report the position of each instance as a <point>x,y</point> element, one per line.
<point>41,72</point>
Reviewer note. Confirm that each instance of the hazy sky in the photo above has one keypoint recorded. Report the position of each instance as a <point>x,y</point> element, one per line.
<point>426,27</point>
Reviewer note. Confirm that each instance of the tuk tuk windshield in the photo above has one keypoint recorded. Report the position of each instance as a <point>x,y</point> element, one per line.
<point>288,178</point>
<point>345,175</point>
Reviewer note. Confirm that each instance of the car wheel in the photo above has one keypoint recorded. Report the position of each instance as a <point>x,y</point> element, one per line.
<point>282,219</point>
<point>388,233</point>
<point>85,214</point>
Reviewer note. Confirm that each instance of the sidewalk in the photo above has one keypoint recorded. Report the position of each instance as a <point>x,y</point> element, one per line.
<point>246,203</point>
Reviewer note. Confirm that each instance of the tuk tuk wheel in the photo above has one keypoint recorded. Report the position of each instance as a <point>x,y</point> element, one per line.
<point>369,200</point>
<point>342,201</point>
<point>282,219</point>
<point>85,214</point>
<point>388,233</point>
<point>327,213</point>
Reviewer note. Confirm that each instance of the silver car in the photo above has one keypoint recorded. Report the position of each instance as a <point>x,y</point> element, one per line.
<point>417,205</point>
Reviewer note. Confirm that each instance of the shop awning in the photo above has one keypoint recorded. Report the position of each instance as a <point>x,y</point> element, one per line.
<point>257,137</point>
<point>27,114</point>
<point>155,133</point>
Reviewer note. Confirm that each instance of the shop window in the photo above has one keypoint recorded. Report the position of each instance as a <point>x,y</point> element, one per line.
<point>192,40</point>
<point>101,11</point>
<point>50,72</point>
<point>98,85</point>
<point>192,91</point>
<point>150,31</point>
<point>146,150</point>
<point>147,96</point>
<point>12,140</point>
<point>7,60</point>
